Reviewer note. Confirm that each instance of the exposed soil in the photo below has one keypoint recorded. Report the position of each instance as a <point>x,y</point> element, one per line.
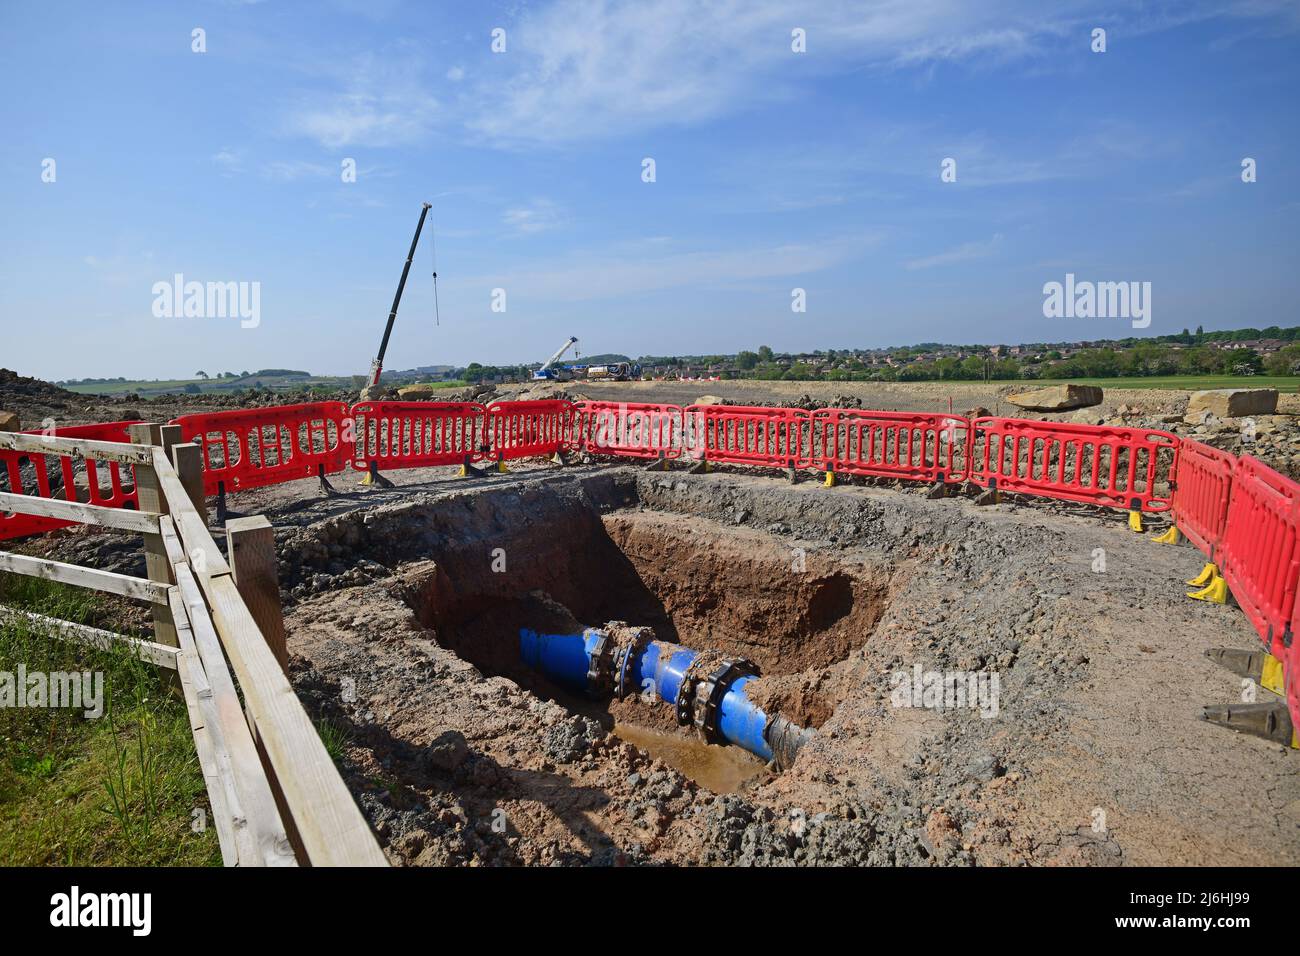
<point>1101,677</point>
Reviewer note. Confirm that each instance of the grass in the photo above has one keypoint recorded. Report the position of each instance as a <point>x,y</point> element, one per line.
<point>1283,383</point>
<point>441,383</point>
<point>152,389</point>
<point>335,738</point>
<point>121,790</point>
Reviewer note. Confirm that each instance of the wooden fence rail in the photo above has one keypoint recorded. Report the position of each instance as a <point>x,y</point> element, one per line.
<point>277,798</point>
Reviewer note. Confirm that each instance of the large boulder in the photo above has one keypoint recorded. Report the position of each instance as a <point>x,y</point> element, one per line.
<point>417,392</point>
<point>1231,403</point>
<point>8,421</point>
<point>710,400</point>
<point>1057,398</point>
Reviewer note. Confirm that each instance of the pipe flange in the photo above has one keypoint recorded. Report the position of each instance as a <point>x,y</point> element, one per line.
<point>684,707</point>
<point>600,666</point>
<point>721,680</point>
<point>640,639</point>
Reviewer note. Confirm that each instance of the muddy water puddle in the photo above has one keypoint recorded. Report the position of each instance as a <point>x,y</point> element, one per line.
<point>719,769</point>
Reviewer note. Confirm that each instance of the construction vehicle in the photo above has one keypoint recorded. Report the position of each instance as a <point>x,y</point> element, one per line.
<point>372,389</point>
<point>614,372</point>
<point>549,370</point>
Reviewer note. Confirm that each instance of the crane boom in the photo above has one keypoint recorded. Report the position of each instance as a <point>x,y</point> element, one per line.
<point>559,353</point>
<point>377,366</point>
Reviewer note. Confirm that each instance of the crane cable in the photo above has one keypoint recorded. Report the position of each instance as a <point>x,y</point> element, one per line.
<point>433,245</point>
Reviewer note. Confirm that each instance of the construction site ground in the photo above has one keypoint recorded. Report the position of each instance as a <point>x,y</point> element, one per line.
<point>403,608</point>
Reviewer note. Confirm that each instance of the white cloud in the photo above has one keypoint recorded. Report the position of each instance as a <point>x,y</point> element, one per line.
<point>964,253</point>
<point>582,67</point>
<point>539,215</point>
<point>229,160</point>
<point>383,102</point>
<point>456,74</point>
<point>649,267</point>
<point>284,171</point>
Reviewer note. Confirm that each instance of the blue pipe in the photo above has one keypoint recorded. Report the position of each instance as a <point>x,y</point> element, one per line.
<point>660,667</point>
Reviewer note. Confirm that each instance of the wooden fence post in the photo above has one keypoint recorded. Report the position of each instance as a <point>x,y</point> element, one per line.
<point>188,460</point>
<point>157,566</point>
<point>250,549</point>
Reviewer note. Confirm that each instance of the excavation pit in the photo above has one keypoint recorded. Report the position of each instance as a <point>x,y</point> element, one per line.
<point>696,582</point>
<point>413,603</point>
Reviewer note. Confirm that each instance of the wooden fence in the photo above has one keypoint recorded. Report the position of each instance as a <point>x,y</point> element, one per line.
<point>277,798</point>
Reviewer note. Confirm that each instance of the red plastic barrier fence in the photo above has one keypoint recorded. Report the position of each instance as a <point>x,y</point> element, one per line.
<point>263,446</point>
<point>418,434</point>
<point>749,435</point>
<point>529,429</point>
<point>1259,556</point>
<point>93,482</point>
<point>921,447</point>
<point>630,429</point>
<point>1202,488</point>
<point>1116,467</point>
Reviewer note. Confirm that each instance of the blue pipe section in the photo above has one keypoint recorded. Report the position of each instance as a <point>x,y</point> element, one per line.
<point>661,667</point>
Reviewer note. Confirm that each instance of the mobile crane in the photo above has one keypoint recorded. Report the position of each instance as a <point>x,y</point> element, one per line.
<point>548,371</point>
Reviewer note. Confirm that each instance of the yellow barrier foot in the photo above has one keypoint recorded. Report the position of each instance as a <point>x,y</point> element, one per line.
<point>559,459</point>
<point>1171,536</point>
<point>1208,574</point>
<point>659,464</point>
<point>468,470</point>
<point>373,477</point>
<point>700,468</point>
<point>1268,720</point>
<point>1216,592</point>
<point>829,481</point>
<point>988,497</point>
<point>501,467</point>
<point>1272,677</point>
<point>1135,521</point>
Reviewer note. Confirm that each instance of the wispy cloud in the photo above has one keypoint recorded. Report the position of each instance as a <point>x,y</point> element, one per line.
<point>577,70</point>
<point>540,215</point>
<point>980,249</point>
<point>652,266</point>
<point>381,100</point>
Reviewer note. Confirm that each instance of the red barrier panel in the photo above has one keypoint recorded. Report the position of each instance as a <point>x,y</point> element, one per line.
<point>1259,556</point>
<point>529,429</point>
<point>418,434</point>
<point>749,435</point>
<point>1115,467</point>
<point>262,446</point>
<point>1202,487</point>
<point>71,479</point>
<point>890,444</point>
<point>630,429</point>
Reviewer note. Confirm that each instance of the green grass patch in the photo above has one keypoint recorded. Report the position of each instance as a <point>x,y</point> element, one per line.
<point>118,790</point>
<point>1283,383</point>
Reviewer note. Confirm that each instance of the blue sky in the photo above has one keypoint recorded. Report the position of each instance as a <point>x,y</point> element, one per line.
<point>774,170</point>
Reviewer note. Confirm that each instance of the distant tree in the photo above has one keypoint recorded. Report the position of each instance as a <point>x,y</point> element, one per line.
<point>201,374</point>
<point>747,360</point>
<point>765,354</point>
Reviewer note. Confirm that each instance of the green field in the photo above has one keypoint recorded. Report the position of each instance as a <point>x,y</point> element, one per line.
<point>153,388</point>
<point>1283,383</point>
